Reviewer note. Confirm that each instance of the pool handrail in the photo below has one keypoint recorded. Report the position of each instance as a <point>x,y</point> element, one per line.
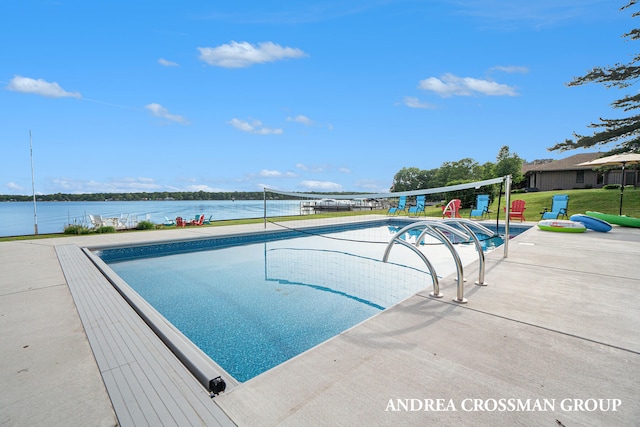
<point>434,276</point>
<point>465,223</point>
<point>431,228</point>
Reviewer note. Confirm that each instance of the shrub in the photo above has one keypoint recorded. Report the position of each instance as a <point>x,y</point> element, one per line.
<point>76,229</point>
<point>146,225</point>
<point>611,187</point>
<point>106,229</point>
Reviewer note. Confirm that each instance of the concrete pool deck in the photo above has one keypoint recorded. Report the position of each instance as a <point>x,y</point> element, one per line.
<point>552,340</point>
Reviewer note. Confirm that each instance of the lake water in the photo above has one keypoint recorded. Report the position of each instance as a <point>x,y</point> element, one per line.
<point>17,218</point>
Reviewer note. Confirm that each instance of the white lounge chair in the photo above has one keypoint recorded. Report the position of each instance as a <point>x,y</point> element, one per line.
<point>96,221</point>
<point>123,222</point>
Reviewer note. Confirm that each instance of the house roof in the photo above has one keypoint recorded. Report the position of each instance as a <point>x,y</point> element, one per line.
<point>569,163</point>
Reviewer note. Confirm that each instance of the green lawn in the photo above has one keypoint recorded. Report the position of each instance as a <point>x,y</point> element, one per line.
<point>580,201</point>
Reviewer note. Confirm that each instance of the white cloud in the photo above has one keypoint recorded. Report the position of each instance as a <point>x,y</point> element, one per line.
<point>167,63</point>
<point>344,170</point>
<point>531,14</point>
<point>450,85</point>
<point>321,185</point>
<point>372,186</point>
<point>254,127</point>
<point>203,187</point>
<point>269,173</point>
<point>118,185</point>
<point>276,174</point>
<point>159,111</point>
<point>511,69</point>
<point>14,187</point>
<point>40,87</point>
<point>301,119</point>
<point>243,54</point>
<point>413,102</point>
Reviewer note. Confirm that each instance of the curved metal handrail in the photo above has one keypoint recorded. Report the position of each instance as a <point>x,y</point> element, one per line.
<point>436,284</point>
<point>465,223</point>
<point>431,228</point>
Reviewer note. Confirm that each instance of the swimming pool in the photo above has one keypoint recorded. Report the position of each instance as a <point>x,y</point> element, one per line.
<point>251,302</point>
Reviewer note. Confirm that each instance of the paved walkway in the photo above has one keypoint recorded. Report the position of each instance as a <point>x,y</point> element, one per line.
<point>552,340</point>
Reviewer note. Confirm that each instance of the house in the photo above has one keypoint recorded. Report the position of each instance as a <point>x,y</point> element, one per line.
<point>566,174</point>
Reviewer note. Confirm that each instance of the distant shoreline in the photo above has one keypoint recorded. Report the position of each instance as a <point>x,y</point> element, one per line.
<point>155,196</point>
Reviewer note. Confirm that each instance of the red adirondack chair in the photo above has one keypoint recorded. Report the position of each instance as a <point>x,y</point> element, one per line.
<point>452,209</point>
<point>517,210</point>
<point>198,221</point>
<point>180,222</point>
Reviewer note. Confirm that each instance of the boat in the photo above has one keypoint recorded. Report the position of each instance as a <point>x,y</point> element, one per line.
<point>562,225</point>
<point>623,220</point>
<point>332,205</point>
<point>592,223</point>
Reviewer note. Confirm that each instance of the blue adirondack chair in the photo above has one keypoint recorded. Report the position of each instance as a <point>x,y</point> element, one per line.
<point>482,207</point>
<point>418,208</point>
<point>395,210</point>
<point>559,206</point>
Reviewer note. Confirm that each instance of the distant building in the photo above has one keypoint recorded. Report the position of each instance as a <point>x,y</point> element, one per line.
<point>565,174</point>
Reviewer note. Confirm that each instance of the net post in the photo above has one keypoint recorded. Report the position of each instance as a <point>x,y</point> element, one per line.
<point>264,194</point>
<point>507,191</point>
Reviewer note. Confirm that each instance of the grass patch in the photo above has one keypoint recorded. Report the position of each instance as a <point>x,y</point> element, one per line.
<point>600,200</point>
<point>580,201</point>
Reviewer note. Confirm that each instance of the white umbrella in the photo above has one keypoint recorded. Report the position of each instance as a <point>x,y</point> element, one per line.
<point>616,160</point>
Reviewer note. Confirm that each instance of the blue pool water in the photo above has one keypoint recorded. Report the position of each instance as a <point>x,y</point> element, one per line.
<point>252,303</point>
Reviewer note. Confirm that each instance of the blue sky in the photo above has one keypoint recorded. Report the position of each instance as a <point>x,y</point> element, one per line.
<point>125,96</point>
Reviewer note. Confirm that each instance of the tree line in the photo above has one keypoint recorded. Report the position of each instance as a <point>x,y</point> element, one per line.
<point>126,197</point>
<point>465,170</point>
<point>155,196</point>
<point>460,172</point>
<point>409,178</point>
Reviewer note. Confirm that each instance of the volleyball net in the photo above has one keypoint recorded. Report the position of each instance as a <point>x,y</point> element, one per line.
<point>295,210</point>
<point>346,240</point>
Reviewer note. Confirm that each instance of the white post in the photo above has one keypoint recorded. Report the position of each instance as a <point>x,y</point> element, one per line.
<point>33,188</point>
<point>507,191</point>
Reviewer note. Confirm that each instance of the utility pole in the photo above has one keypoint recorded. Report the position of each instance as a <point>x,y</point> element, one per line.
<point>33,188</point>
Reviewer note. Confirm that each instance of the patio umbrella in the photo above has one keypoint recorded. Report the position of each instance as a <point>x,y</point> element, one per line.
<point>616,160</point>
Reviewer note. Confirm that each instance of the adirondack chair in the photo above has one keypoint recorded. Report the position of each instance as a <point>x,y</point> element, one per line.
<point>517,210</point>
<point>96,221</point>
<point>199,220</point>
<point>180,222</point>
<point>452,209</point>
